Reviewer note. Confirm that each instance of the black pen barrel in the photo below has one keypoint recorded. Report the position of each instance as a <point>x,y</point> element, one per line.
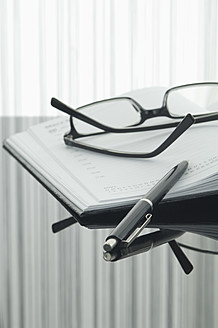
<point>127,225</point>
<point>160,189</point>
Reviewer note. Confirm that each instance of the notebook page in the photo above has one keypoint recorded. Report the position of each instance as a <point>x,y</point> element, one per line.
<point>110,178</point>
<point>37,158</point>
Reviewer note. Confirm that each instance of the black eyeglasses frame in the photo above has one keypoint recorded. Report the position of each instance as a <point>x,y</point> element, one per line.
<point>181,124</point>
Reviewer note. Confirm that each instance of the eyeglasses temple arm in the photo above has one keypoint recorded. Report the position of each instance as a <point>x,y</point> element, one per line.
<point>60,225</point>
<point>181,257</point>
<point>61,106</point>
<point>180,129</point>
<point>72,112</point>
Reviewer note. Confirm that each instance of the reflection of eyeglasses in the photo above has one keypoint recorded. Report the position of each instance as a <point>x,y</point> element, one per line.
<point>122,116</point>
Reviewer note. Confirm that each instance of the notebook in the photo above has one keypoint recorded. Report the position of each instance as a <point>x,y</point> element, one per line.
<point>89,183</point>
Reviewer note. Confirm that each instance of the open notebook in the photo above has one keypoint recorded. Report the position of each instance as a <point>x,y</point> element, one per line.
<point>88,182</point>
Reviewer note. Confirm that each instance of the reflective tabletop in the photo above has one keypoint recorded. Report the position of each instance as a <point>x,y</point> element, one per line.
<point>61,280</point>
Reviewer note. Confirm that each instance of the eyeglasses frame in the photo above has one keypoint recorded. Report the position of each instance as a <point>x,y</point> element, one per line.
<point>145,114</point>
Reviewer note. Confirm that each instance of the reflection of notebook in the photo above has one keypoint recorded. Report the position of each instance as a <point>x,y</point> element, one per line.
<point>86,182</point>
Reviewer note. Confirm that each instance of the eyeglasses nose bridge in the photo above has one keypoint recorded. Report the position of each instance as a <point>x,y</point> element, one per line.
<point>155,112</point>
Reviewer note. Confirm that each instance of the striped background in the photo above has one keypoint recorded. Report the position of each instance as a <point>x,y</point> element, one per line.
<point>82,50</point>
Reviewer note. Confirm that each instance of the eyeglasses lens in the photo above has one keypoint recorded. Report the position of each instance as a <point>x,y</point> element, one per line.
<point>196,99</point>
<point>118,113</point>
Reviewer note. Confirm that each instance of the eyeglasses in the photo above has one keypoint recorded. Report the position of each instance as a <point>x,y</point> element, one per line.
<point>119,120</point>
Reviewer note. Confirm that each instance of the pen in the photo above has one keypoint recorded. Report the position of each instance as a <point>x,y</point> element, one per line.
<point>140,215</point>
<point>146,242</point>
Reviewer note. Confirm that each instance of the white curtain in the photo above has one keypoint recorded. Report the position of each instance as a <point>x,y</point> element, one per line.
<point>83,50</point>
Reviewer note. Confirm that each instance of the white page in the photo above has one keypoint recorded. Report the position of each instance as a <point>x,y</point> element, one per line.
<point>52,170</point>
<point>112,178</point>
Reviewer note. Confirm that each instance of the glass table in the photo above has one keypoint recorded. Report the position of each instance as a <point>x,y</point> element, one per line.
<point>61,280</point>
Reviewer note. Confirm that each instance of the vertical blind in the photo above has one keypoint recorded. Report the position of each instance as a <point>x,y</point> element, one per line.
<point>83,50</point>
<point>80,51</point>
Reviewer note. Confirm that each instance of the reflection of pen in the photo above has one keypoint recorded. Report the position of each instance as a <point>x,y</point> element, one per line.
<point>146,242</point>
<point>140,215</point>
<point>143,244</point>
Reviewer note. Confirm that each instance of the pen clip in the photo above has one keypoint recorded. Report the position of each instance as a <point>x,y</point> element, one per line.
<point>137,231</point>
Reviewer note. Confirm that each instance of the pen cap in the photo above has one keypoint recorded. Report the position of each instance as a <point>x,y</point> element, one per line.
<point>134,219</point>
